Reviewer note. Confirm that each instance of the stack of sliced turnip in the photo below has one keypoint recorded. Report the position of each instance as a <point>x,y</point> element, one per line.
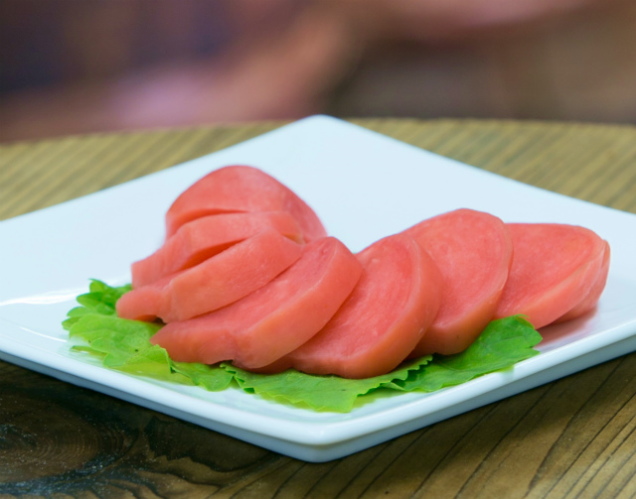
<point>248,274</point>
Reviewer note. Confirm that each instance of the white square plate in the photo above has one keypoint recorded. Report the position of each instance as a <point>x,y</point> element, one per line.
<point>364,186</point>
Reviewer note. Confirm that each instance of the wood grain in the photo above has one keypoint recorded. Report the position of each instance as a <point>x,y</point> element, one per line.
<point>575,437</point>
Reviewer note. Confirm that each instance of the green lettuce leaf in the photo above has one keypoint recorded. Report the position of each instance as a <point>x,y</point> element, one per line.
<point>502,344</point>
<point>320,393</point>
<point>124,345</point>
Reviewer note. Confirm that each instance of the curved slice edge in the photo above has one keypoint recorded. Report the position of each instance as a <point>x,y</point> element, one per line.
<point>274,320</point>
<point>473,251</point>
<point>386,315</point>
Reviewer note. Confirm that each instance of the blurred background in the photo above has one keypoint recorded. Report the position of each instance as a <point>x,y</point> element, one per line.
<point>83,66</point>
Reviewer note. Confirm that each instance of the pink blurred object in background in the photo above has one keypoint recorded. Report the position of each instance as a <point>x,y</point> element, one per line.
<point>71,66</point>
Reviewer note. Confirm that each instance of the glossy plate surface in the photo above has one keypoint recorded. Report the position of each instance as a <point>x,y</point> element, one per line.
<point>364,186</point>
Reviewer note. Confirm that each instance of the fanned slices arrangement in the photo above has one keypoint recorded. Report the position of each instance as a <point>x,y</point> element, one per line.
<point>248,274</point>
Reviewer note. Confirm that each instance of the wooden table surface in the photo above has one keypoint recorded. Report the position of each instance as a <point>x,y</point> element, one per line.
<point>575,437</point>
